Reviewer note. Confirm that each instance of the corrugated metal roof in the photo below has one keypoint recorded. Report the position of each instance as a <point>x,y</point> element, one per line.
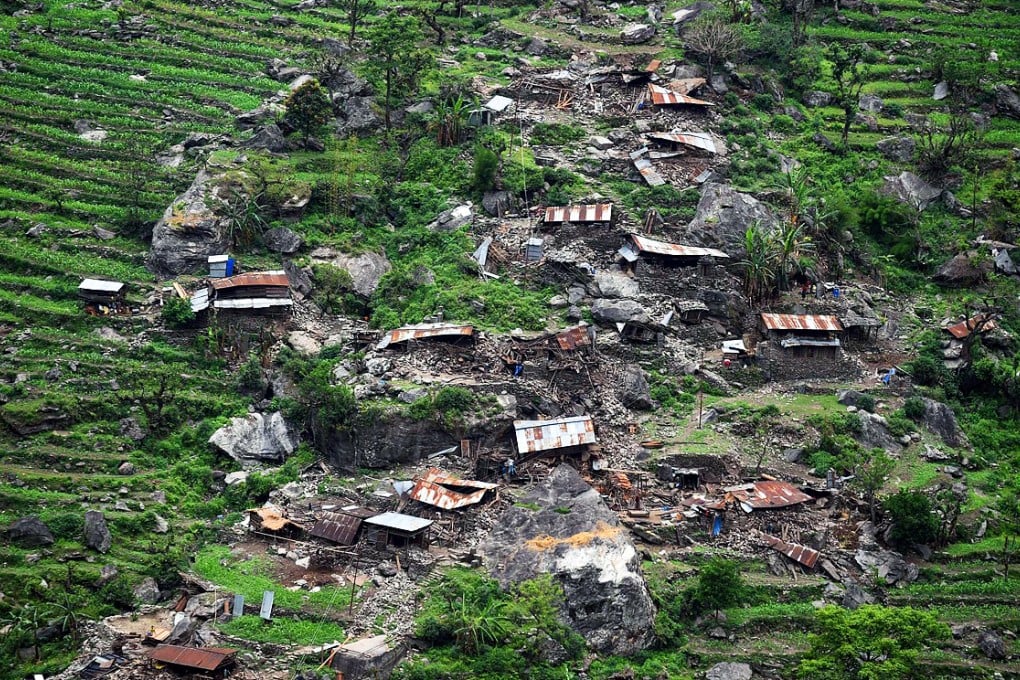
<point>100,286</point>
<point>272,278</point>
<point>796,552</point>
<point>438,476</point>
<point>575,337</point>
<point>801,322</point>
<point>647,245</point>
<point>202,658</point>
<point>252,303</point>
<point>768,495</point>
<point>498,104</point>
<point>663,97</point>
<point>653,65</point>
<point>648,171</point>
<point>546,435</point>
<point>214,259</point>
<point>200,300</point>
<point>433,493</point>
<point>965,328</point>
<point>337,527</point>
<point>422,331</point>
<point>699,140</point>
<point>399,522</point>
<point>599,212</point>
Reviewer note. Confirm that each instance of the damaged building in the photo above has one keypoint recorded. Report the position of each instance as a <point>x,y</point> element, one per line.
<point>571,439</point>
<point>407,337</point>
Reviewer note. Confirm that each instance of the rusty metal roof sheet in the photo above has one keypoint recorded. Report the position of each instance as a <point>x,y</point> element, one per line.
<point>399,522</point>
<point>648,171</point>
<point>337,527</point>
<point>653,65</point>
<point>546,435</point>
<point>202,658</point>
<point>699,140</point>
<point>965,328</point>
<point>598,212</point>
<point>768,495</point>
<point>573,338</point>
<point>422,331</point>
<point>801,322</point>
<point>273,278</point>
<point>796,552</point>
<point>432,493</point>
<point>439,477</point>
<point>647,245</point>
<point>665,97</point>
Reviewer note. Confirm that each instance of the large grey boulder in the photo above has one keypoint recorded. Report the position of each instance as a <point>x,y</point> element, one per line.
<point>29,532</point>
<point>940,419</point>
<point>391,438</point>
<point>366,270</point>
<point>875,433</point>
<point>356,115</point>
<point>723,216</point>
<point>900,148</point>
<point>1007,102</point>
<point>908,188</point>
<point>886,565</point>
<point>632,389</point>
<point>575,538</point>
<point>992,645</point>
<point>188,233</point>
<point>618,311</point>
<point>283,240</point>
<point>729,671</point>
<point>870,103</point>
<point>255,438</point>
<point>610,285</point>
<point>269,137</point>
<point>97,534</point>
<point>963,269</point>
<point>817,99</point>
<point>147,592</point>
<point>634,34</point>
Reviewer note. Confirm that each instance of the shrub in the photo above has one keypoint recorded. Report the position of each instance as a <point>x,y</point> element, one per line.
<point>719,586</point>
<point>913,407</point>
<point>913,521</point>
<point>866,402</point>
<point>177,312</point>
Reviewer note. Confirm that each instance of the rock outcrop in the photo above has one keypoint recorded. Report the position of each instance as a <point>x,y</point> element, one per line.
<point>579,541</point>
<point>632,389</point>
<point>97,534</point>
<point>366,269</point>
<point>256,438</point>
<point>910,189</point>
<point>390,439</point>
<point>940,419</point>
<point>723,216</point>
<point>188,233</point>
<point>29,532</point>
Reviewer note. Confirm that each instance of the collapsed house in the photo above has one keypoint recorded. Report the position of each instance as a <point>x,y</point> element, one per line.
<point>448,492</point>
<point>342,527</point>
<point>669,255</point>
<point>766,495</point>
<point>102,297</point>
<point>661,96</point>
<point>571,439</point>
<point>272,521</point>
<point>407,336</point>
<point>680,140</point>
<point>598,213</point>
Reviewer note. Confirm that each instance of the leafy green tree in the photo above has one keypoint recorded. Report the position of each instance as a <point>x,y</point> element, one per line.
<point>356,11</point>
<point>759,263</point>
<point>913,520</point>
<point>871,476</point>
<point>308,109</point>
<point>331,285</point>
<point>869,643</point>
<point>396,57</point>
<point>719,586</point>
<point>849,73</point>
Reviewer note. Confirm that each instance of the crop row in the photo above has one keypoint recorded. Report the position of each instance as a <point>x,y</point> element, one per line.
<point>114,173</point>
<point>19,254</point>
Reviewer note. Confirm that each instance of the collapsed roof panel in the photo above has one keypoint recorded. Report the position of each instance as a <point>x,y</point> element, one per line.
<point>424,331</point>
<point>598,212</point>
<point>574,338</point>
<point>643,245</point>
<point>965,328</point>
<point>796,552</point>
<point>767,495</point>
<point>498,104</point>
<point>546,435</point>
<point>337,527</point>
<point>648,171</point>
<point>203,658</point>
<point>698,140</point>
<point>664,97</point>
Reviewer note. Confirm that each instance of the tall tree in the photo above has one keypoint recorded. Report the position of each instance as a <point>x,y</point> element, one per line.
<point>849,73</point>
<point>714,39</point>
<point>871,476</point>
<point>396,57</point>
<point>356,11</point>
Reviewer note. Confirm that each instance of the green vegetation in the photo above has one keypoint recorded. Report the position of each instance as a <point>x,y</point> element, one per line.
<point>283,631</point>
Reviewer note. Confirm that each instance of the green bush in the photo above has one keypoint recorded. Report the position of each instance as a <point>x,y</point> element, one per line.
<point>177,312</point>
<point>66,525</point>
<point>913,408</point>
<point>913,520</point>
<point>486,166</point>
<point>556,134</point>
<point>866,402</point>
